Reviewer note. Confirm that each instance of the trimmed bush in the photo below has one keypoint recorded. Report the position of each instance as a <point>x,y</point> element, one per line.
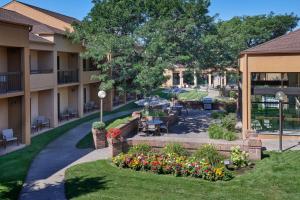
<point>140,149</point>
<point>215,131</point>
<point>218,114</point>
<point>98,125</point>
<point>229,136</point>
<point>210,154</point>
<point>229,122</point>
<point>175,149</point>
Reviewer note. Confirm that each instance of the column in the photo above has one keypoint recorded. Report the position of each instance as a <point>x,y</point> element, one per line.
<point>195,79</point>
<point>80,100</point>
<point>26,126</point>
<point>245,106</point>
<point>181,82</point>
<point>55,91</point>
<point>209,80</point>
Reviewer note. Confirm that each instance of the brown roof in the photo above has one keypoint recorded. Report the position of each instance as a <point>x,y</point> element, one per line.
<point>36,38</point>
<point>37,27</point>
<point>13,17</point>
<point>289,43</point>
<point>59,16</point>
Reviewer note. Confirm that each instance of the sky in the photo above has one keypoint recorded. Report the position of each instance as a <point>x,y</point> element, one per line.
<point>225,8</point>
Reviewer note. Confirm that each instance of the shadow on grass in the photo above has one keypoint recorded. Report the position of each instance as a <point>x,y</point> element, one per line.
<point>10,190</point>
<point>76,187</point>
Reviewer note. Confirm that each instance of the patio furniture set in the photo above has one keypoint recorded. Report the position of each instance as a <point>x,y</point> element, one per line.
<point>68,114</point>
<point>90,107</point>
<point>40,123</point>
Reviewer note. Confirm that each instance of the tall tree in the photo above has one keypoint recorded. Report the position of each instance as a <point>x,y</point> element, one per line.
<point>241,33</point>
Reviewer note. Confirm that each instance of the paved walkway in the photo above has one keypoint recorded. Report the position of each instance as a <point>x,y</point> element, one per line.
<point>45,179</point>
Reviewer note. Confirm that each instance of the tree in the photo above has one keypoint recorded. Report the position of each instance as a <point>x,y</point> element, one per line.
<point>138,39</point>
<point>241,33</point>
<point>107,34</point>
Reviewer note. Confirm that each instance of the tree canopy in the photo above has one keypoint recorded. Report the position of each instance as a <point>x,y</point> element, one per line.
<point>241,33</point>
<point>134,41</point>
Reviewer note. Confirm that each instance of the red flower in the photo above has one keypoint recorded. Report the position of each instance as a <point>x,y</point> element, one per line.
<point>113,133</point>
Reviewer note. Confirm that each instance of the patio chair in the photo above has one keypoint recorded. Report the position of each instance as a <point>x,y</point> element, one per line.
<point>87,107</point>
<point>34,128</point>
<point>8,136</point>
<point>142,126</point>
<point>152,129</point>
<point>73,113</point>
<point>165,126</point>
<point>43,122</point>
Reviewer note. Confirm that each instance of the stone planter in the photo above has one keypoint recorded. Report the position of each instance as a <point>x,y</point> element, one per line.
<point>115,145</point>
<point>99,137</point>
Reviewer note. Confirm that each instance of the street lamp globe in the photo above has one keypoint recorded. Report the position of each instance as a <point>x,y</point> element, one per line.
<point>280,96</point>
<point>101,94</point>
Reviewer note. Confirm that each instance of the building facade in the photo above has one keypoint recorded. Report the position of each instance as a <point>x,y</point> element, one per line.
<point>267,69</point>
<point>42,75</point>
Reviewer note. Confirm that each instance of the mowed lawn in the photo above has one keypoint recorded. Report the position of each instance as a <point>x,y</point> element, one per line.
<point>14,166</point>
<point>276,177</point>
<point>193,95</point>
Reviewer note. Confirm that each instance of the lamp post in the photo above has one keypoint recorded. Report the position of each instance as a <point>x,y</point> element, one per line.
<point>280,96</point>
<point>101,95</point>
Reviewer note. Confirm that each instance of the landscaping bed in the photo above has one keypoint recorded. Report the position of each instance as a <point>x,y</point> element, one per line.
<point>275,177</point>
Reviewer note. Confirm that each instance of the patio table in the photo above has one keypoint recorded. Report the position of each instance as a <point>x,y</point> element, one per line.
<point>155,122</point>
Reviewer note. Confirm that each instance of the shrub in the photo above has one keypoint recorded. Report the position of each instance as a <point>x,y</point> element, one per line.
<point>175,149</point>
<point>140,149</point>
<point>218,114</point>
<point>238,157</point>
<point>209,153</point>
<point>229,122</point>
<point>215,131</point>
<point>98,125</point>
<point>232,94</point>
<point>229,136</point>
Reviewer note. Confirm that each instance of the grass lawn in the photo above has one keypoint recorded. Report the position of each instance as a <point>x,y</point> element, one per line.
<point>192,95</point>
<point>87,142</point>
<point>274,178</point>
<point>14,166</point>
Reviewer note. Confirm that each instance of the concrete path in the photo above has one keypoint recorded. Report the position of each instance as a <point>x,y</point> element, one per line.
<point>45,179</point>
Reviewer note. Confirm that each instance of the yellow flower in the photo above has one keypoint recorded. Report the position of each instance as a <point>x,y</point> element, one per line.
<point>219,171</point>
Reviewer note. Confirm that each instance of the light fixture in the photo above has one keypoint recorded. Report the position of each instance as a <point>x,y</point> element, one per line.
<point>280,96</point>
<point>101,94</point>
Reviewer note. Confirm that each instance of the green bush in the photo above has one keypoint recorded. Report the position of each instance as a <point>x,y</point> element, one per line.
<point>229,136</point>
<point>175,149</point>
<point>99,125</point>
<point>232,94</point>
<point>140,149</point>
<point>238,157</point>
<point>215,131</point>
<point>210,154</point>
<point>218,114</point>
<point>229,122</point>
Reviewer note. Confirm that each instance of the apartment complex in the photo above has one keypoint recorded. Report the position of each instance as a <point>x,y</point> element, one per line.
<point>267,69</point>
<point>42,76</point>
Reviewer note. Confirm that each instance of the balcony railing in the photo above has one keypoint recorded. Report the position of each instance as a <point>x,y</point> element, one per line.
<point>41,71</point>
<point>10,82</point>
<point>67,76</point>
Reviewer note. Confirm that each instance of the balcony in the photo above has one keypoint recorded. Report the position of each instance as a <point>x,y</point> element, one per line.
<point>10,82</point>
<point>67,76</point>
<point>41,71</point>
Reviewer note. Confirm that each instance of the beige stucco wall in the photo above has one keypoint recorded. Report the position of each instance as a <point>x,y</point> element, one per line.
<point>33,60</point>
<point>64,99</point>
<point>3,114</point>
<point>63,44</point>
<point>46,104</point>
<point>37,15</point>
<point>73,97</point>
<point>14,35</point>
<point>42,81</point>
<point>87,77</point>
<point>34,106</point>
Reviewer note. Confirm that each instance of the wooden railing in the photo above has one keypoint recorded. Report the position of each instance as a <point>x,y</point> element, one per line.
<point>67,76</point>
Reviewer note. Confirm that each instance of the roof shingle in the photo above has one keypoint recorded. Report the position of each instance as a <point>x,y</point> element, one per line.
<point>289,43</point>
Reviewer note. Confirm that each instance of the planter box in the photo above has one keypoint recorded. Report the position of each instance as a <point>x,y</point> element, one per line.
<point>99,137</point>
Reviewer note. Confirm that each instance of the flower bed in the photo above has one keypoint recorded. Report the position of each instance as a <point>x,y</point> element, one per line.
<point>173,164</point>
